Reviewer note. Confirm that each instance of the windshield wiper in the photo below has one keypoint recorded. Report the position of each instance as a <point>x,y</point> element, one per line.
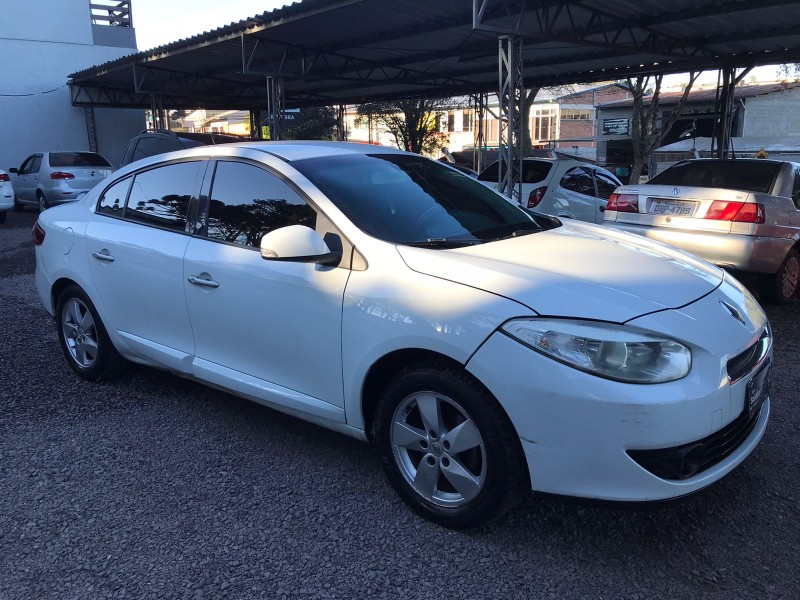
<point>440,243</point>
<point>520,233</point>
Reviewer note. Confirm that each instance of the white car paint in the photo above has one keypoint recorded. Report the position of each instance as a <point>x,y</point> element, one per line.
<point>6,192</point>
<point>302,337</point>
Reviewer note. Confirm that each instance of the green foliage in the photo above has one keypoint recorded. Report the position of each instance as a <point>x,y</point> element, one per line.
<point>315,123</point>
<point>412,123</point>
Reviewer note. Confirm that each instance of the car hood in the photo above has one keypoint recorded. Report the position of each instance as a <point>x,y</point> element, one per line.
<point>577,270</point>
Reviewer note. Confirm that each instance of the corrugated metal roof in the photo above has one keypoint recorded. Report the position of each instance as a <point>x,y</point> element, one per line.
<point>708,96</point>
<point>350,51</point>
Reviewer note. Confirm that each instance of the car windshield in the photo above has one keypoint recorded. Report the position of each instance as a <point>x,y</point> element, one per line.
<point>406,199</point>
<point>77,159</point>
<point>751,176</point>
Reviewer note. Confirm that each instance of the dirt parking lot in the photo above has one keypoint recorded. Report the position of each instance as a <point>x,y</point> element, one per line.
<point>154,487</point>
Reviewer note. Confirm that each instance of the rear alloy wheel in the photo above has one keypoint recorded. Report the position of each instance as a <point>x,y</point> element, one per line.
<point>83,337</point>
<point>447,447</point>
<point>43,205</point>
<point>782,287</point>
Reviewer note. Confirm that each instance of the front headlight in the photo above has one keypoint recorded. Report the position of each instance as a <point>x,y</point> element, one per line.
<point>613,351</point>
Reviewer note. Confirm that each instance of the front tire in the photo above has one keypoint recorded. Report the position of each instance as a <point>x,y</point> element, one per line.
<point>83,338</point>
<point>447,447</point>
<point>782,287</point>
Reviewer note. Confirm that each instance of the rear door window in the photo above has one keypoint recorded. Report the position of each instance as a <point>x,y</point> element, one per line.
<point>579,180</point>
<point>112,202</point>
<point>605,184</point>
<point>161,196</point>
<point>247,201</point>
<point>749,175</point>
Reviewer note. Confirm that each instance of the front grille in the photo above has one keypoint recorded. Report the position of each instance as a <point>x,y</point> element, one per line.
<point>744,362</point>
<point>687,460</point>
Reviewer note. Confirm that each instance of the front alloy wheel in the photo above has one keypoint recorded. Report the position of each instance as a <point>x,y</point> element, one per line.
<point>438,449</point>
<point>447,446</point>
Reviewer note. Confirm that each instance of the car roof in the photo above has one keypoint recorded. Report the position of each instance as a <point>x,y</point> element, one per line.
<point>301,149</point>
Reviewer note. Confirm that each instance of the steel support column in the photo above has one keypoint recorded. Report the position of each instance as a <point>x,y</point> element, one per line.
<point>480,102</point>
<point>275,105</point>
<point>91,127</point>
<point>723,127</point>
<point>510,123</point>
<point>341,132</point>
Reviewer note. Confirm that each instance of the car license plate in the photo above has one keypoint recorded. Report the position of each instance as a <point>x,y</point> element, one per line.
<point>758,389</point>
<point>677,208</point>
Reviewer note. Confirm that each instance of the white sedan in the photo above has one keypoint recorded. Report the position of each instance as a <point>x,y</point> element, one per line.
<point>484,349</point>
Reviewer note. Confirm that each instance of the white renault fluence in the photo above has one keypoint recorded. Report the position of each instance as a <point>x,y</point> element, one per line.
<point>483,348</point>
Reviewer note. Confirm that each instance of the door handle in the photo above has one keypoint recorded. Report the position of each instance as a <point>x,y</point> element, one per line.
<point>203,281</point>
<point>103,255</point>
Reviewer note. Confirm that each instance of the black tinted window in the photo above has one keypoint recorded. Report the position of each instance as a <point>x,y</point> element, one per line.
<point>410,199</point>
<point>490,172</point>
<point>578,180</point>
<point>113,200</point>
<point>167,144</point>
<point>750,175</point>
<point>145,147</point>
<point>534,171</point>
<point>796,188</point>
<point>605,184</point>
<point>247,202</point>
<point>77,159</point>
<point>26,166</point>
<point>36,164</point>
<point>161,196</point>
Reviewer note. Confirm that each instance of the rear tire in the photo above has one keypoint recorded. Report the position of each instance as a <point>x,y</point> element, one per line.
<point>83,338</point>
<point>782,287</point>
<point>447,447</point>
<point>43,204</point>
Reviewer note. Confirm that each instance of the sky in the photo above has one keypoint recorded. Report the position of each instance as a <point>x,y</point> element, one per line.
<point>159,22</point>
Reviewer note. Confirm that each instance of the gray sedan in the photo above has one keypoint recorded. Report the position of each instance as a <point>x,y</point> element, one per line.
<point>741,214</point>
<point>49,178</point>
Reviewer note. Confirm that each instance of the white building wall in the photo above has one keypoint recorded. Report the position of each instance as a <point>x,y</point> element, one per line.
<point>42,42</point>
<point>776,114</point>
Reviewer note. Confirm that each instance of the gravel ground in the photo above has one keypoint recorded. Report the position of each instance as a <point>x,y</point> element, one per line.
<point>155,487</point>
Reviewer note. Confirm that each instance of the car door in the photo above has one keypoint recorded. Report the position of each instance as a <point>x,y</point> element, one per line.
<point>135,248</point>
<point>575,196</point>
<point>27,178</point>
<point>267,329</point>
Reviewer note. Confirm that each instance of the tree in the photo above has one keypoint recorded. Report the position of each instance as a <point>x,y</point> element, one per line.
<point>412,123</point>
<point>314,123</point>
<point>790,70</point>
<point>648,129</point>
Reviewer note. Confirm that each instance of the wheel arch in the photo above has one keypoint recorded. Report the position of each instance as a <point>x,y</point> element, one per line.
<point>389,365</point>
<point>59,285</point>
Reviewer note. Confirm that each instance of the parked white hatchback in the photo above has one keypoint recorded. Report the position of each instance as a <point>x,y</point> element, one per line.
<point>485,349</point>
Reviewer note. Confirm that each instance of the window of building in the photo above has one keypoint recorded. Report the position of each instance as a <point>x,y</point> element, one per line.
<point>451,122</point>
<point>247,201</point>
<point>576,114</point>
<point>544,125</point>
<point>467,119</point>
<point>161,196</point>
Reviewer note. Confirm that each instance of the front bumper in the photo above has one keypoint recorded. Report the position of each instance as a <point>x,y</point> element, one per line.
<point>731,251</point>
<point>576,428</point>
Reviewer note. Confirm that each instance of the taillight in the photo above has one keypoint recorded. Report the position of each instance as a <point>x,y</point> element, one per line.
<point>61,175</point>
<point>740,212</point>
<point>623,202</point>
<point>38,234</point>
<point>535,197</point>
<point>4,177</point>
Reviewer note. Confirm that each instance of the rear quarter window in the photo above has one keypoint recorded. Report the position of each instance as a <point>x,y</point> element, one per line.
<point>751,176</point>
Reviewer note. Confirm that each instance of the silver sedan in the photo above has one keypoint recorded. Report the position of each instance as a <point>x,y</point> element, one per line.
<point>740,214</point>
<point>49,178</point>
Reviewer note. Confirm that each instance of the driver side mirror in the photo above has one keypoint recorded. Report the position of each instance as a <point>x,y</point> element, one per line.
<point>13,170</point>
<point>298,243</point>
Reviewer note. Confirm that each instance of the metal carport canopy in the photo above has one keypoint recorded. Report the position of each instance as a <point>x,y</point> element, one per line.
<point>330,52</point>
